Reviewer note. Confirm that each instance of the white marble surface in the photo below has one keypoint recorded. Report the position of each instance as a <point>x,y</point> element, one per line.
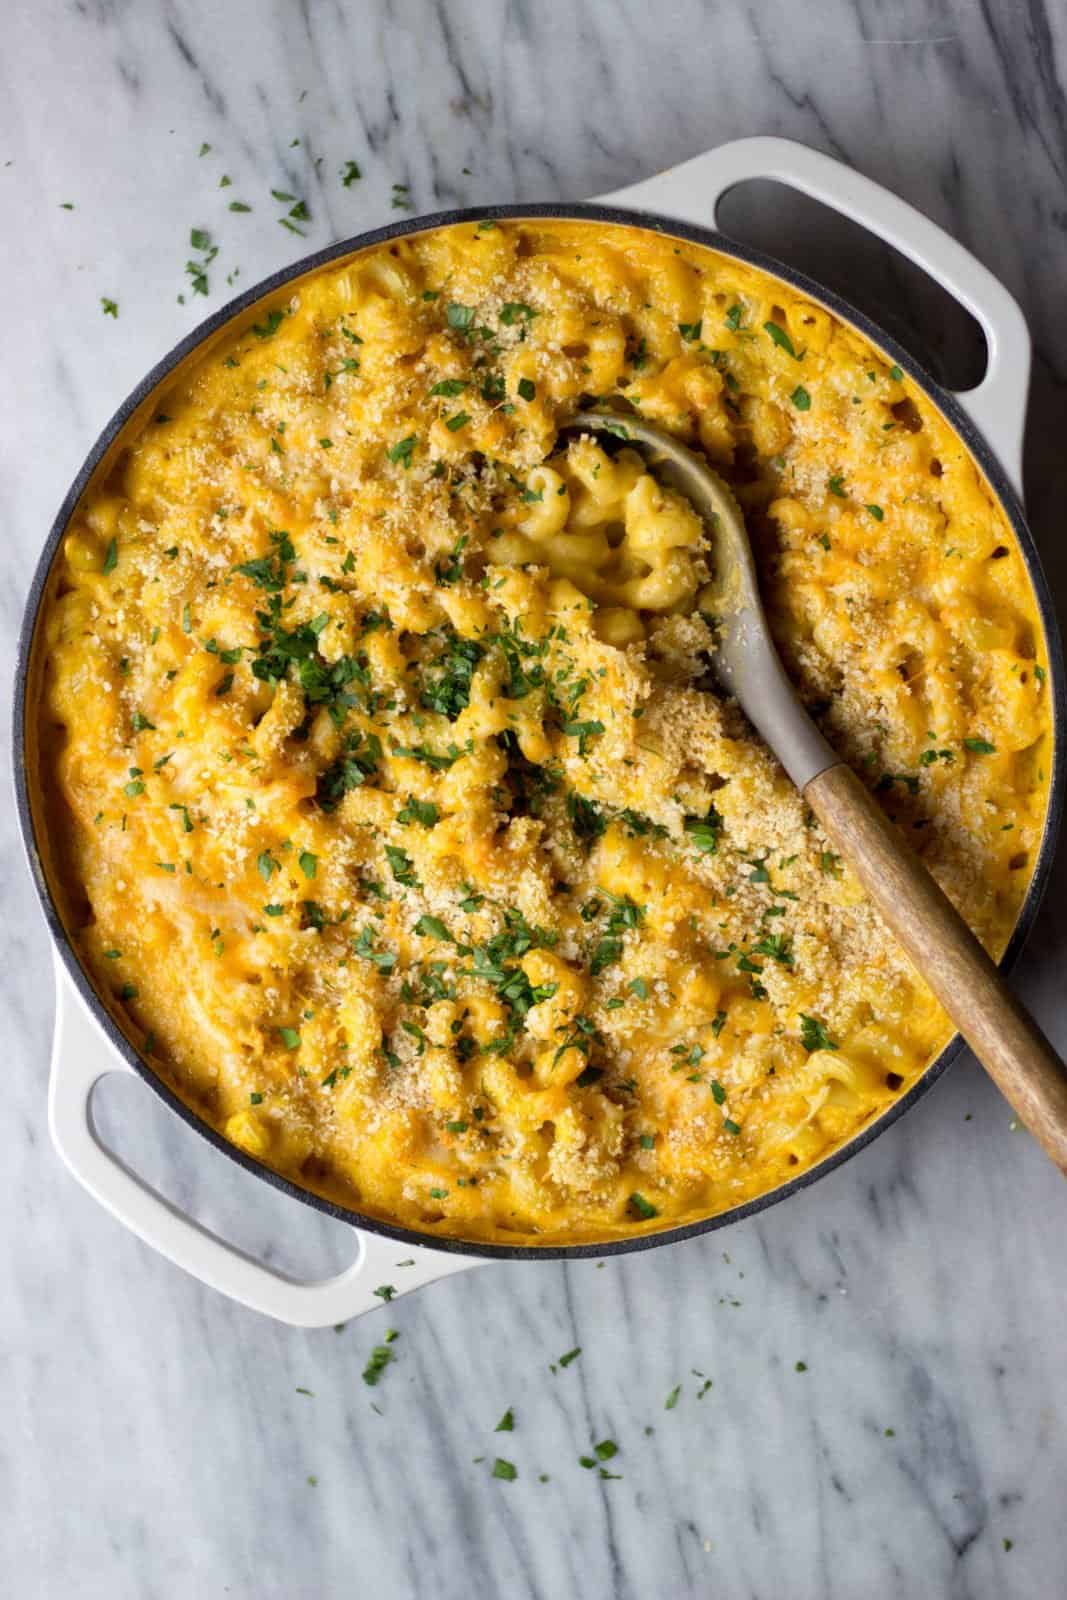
<point>154,1442</point>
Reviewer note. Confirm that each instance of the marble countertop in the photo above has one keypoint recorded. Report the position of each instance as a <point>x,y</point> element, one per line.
<point>886,1413</point>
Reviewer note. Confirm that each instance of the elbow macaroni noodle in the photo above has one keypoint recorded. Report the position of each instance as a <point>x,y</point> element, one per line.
<point>394,825</point>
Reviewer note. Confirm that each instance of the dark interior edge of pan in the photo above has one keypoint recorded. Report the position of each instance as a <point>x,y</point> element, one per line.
<point>945,402</point>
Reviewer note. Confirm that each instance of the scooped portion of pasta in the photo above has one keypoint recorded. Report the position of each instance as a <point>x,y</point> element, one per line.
<point>400,831</point>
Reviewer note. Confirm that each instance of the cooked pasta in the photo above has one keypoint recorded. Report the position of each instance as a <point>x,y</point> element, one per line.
<point>401,831</point>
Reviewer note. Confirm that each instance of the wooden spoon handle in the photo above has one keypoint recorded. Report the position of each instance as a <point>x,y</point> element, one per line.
<point>1006,1040</point>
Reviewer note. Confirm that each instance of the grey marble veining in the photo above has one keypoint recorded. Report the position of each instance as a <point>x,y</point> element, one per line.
<point>154,1440</point>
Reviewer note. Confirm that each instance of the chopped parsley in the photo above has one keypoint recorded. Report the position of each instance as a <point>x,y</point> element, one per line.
<point>402,452</point>
<point>270,324</point>
<point>516,311</point>
<point>705,831</point>
<point>583,731</point>
<point>380,1358</point>
<point>779,337</point>
<point>447,682</point>
<point>402,867</point>
<point>626,914</point>
<point>813,1035</point>
<point>422,811</point>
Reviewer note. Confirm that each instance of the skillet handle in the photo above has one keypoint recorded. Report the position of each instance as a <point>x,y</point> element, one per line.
<point>81,1056</point>
<point>691,192</point>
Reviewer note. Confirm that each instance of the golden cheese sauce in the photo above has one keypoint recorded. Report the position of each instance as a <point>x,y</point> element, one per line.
<point>399,836</point>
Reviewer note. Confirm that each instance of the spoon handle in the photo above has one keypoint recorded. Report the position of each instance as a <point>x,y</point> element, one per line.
<point>1006,1040</point>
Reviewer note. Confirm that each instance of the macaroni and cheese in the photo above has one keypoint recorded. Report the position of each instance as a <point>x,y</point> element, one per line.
<point>400,830</point>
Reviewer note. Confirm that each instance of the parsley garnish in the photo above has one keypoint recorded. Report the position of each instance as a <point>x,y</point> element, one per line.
<point>380,1358</point>
<point>583,731</point>
<point>448,691</point>
<point>354,767</point>
<point>627,914</point>
<point>587,819</point>
<point>270,325</point>
<point>813,1035</point>
<point>384,960</point>
<point>402,451</point>
<point>415,810</point>
<point>705,831</point>
<point>402,867</point>
<point>779,337</point>
<point>513,311</point>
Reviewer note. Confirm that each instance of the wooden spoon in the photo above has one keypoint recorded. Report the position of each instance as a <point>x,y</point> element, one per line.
<point>944,951</point>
